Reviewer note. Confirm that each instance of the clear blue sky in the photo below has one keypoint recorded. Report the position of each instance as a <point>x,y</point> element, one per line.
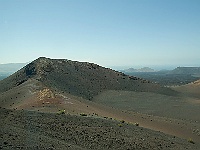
<point>107,32</point>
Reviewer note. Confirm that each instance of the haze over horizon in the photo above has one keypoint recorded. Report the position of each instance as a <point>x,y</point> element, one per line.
<point>108,33</point>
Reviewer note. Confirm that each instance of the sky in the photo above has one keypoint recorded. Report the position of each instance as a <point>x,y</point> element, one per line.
<point>107,32</point>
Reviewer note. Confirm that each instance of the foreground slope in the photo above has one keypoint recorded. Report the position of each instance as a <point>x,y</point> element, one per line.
<point>33,130</point>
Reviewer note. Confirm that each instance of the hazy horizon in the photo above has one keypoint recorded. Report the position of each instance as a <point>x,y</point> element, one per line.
<point>108,33</point>
<point>118,67</point>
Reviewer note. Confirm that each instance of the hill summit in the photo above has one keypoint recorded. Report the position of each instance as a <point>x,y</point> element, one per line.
<point>81,79</point>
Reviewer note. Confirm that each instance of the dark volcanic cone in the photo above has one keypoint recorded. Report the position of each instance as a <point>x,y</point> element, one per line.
<point>79,78</point>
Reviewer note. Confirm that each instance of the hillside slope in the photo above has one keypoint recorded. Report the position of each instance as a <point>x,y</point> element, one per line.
<point>79,78</point>
<point>33,130</point>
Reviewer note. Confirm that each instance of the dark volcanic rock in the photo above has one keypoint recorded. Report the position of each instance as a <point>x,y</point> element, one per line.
<point>33,130</point>
<point>79,78</point>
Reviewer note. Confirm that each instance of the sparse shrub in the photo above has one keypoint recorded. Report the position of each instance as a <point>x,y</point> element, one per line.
<point>96,114</point>
<point>136,124</point>
<point>191,141</point>
<point>83,114</point>
<point>61,111</point>
<point>120,125</point>
<point>122,121</point>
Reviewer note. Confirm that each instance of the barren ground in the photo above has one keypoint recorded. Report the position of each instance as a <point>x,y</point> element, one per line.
<point>112,103</point>
<point>33,130</point>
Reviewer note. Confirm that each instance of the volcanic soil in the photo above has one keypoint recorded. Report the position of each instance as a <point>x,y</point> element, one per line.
<point>101,110</point>
<point>34,130</point>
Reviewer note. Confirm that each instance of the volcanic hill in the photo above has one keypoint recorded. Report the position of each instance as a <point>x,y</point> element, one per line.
<point>79,78</point>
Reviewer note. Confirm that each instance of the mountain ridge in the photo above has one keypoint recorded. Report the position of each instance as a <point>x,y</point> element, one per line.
<point>144,69</point>
<point>186,70</point>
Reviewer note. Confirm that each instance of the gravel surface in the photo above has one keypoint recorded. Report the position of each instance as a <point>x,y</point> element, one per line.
<point>34,130</point>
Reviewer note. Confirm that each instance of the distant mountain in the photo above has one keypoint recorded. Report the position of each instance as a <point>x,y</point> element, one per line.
<point>144,69</point>
<point>8,69</point>
<point>130,70</point>
<point>186,70</point>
